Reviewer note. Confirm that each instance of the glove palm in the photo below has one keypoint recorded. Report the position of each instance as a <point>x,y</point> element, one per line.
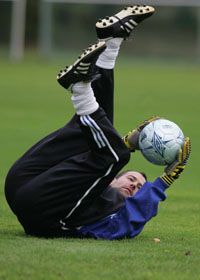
<point>173,171</point>
<point>131,140</point>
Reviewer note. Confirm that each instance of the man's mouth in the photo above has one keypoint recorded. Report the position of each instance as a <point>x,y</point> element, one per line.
<point>127,190</point>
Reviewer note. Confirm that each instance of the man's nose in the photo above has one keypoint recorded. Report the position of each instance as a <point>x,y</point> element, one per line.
<point>133,185</point>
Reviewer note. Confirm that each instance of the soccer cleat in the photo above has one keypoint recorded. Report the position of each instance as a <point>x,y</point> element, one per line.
<point>131,139</point>
<point>122,24</point>
<point>84,68</point>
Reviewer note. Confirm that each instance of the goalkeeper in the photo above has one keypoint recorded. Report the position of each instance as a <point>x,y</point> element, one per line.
<point>68,185</point>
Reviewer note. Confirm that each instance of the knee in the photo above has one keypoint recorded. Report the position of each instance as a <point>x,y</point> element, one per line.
<point>14,180</point>
<point>11,187</point>
<point>12,176</point>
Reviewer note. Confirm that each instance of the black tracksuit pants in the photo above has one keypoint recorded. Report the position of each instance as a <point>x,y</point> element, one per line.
<point>54,183</point>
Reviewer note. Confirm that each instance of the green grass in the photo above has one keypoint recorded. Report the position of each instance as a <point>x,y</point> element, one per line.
<point>32,105</point>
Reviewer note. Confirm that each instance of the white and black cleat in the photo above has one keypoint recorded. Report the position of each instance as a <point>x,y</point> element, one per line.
<point>123,23</point>
<point>84,68</point>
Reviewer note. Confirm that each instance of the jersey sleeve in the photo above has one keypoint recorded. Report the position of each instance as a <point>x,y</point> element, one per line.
<point>130,219</point>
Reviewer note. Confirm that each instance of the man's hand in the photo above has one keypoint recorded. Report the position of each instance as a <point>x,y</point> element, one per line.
<point>131,140</point>
<point>173,170</point>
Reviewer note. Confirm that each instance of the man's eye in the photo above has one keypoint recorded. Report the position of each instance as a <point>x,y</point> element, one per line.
<point>131,179</point>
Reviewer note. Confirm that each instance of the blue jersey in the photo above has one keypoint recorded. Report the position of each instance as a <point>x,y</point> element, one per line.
<point>130,219</point>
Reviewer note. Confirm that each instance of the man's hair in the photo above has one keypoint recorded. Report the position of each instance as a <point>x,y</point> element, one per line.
<point>126,171</point>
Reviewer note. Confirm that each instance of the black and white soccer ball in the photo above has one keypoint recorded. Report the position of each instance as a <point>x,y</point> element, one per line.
<point>160,141</point>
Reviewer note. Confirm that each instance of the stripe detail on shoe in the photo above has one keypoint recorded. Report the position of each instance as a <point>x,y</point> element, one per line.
<point>128,26</point>
<point>131,25</point>
<point>134,23</point>
<point>82,68</point>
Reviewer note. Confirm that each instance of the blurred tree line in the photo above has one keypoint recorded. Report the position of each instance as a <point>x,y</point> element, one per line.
<point>31,21</point>
<point>73,24</point>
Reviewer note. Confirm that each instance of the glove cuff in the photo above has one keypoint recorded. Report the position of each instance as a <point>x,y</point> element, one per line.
<point>131,140</point>
<point>167,179</point>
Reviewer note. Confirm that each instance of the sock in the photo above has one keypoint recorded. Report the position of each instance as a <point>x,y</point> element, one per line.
<point>107,59</point>
<point>83,98</point>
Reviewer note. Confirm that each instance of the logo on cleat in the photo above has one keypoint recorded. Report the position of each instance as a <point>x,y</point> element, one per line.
<point>83,68</point>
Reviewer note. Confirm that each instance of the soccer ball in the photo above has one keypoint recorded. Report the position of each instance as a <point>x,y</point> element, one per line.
<point>160,141</point>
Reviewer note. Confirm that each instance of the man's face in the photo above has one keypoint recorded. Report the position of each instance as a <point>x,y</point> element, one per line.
<point>129,183</point>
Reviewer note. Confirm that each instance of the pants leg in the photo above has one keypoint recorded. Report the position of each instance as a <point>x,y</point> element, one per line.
<point>58,197</point>
<point>30,179</point>
<point>104,91</point>
<point>61,144</point>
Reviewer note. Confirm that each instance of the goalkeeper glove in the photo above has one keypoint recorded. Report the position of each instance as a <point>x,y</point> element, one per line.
<point>172,171</point>
<point>131,140</point>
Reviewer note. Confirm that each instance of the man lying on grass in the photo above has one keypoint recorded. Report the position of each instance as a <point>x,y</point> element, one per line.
<point>68,184</point>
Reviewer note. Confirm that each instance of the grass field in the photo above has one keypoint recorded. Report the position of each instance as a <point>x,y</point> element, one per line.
<point>32,105</point>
